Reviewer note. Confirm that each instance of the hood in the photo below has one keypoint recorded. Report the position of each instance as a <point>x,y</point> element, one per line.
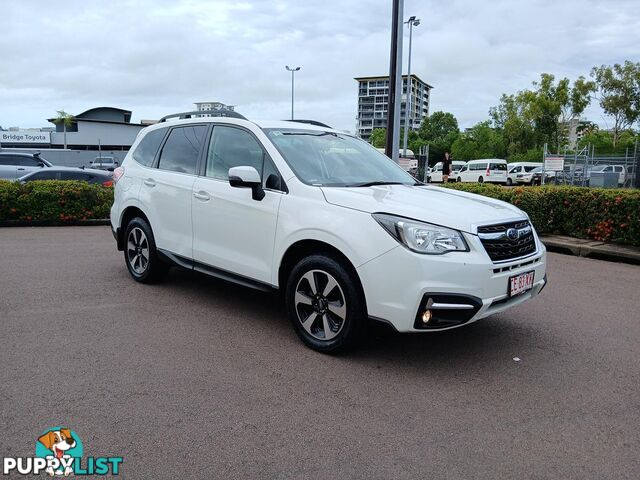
<point>438,205</point>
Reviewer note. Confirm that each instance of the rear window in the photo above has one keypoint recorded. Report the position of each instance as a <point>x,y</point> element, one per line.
<point>498,166</point>
<point>182,148</point>
<point>146,150</point>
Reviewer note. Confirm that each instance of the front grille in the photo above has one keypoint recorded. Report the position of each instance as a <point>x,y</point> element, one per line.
<point>500,247</point>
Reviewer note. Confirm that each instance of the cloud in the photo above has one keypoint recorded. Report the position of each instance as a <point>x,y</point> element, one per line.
<point>158,57</point>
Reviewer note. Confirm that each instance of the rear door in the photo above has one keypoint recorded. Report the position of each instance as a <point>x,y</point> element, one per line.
<point>232,231</point>
<point>8,167</point>
<point>27,164</point>
<point>498,172</point>
<point>166,190</point>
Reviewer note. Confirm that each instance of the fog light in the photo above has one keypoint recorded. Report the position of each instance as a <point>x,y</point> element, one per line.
<point>426,316</point>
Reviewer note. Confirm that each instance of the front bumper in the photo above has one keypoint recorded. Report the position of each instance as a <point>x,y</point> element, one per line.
<point>396,283</point>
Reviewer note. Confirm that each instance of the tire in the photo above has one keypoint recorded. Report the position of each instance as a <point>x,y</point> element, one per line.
<point>480,180</point>
<point>341,309</point>
<point>458,180</point>
<point>140,254</point>
<point>509,182</point>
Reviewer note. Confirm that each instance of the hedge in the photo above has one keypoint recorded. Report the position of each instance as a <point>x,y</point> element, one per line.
<point>608,215</point>
<point>53,202</point>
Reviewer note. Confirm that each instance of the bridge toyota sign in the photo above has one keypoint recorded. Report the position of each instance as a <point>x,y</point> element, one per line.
<point>24,136</point>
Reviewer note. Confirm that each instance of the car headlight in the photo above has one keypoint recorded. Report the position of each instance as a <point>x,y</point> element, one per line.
<point>422,237</point>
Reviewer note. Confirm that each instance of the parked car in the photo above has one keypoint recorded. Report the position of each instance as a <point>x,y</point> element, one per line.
<point>436,173</point>
<point>517,170</point>
<point>347,234</point>
<point>409,163</point>
<point>89,175</point>
<point>492,170</point>
<point>104,163</point>
<point>14,165</point>
<point>619,169</point>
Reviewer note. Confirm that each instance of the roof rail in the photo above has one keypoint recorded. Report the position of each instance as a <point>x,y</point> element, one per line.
<point>220,112</point>
<point>311,122</point>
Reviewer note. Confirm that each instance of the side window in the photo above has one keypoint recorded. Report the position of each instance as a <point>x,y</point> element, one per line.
<point>181,150</point>
<point>7,160</point>
<point>24,161</point>
<point>528,169</point>
<point>148,146</point>
<point>271,178</point>
<point>232,147</point>
<point>44,175</point>
<point>74,176</point>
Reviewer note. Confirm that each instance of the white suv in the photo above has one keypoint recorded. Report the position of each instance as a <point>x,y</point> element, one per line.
<point>339,227</point>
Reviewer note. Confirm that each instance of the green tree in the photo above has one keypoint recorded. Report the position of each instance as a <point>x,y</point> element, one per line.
<point>439,131</point>
<point>618,91</point>
<point>378,137</point>
<point>602,142</point>
<point>64,119</point>
<point>480,141</point>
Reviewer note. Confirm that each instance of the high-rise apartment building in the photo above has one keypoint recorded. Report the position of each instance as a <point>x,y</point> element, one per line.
<point>373,101</point>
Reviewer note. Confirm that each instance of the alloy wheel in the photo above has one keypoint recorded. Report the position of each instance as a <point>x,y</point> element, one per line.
<point>320,305</point>
<point>138,250</point>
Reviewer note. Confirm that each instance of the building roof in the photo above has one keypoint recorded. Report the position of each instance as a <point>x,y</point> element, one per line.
<point>386,77</point>
<point>103,115</point>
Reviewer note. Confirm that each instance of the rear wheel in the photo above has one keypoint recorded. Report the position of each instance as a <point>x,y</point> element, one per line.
<point>325,304</point>
<point>509,182</point>
<point>140,253</point>
<point>480,180</point>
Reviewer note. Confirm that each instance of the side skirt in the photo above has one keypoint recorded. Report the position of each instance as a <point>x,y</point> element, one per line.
<point>189,264</point>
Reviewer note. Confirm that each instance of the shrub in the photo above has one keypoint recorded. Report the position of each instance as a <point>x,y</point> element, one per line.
<point>608,215</point>
<point>54,201</point>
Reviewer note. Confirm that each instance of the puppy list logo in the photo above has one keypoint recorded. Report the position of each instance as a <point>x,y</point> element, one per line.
<point>59,453</point>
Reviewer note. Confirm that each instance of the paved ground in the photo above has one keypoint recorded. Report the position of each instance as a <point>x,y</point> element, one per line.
<point>196,378</point>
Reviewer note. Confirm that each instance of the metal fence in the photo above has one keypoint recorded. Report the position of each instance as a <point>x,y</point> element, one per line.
<point>588,169</point>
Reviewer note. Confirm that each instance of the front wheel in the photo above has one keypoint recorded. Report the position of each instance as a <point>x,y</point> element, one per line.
<point>458,180</point>
<point>480,180</point>
<point>325,304</point>
<point>509,182</point>
<point>140,253</point>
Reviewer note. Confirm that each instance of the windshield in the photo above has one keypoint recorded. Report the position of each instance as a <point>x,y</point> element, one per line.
<point>335,160</point>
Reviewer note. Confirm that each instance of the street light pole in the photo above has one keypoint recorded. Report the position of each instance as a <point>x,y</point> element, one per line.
<point>395,82</point>
<point>293,70</point>
<point>413,22</point>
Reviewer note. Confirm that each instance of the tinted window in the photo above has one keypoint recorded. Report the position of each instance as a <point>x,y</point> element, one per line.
<point>44,175</point>
<point>528,169</point>
<point>74,176</point>
<point>7,160</point>
<point>498,166</point>
<point>27,161</point>
<point>181,150</point>
<point>232,147</point>
<point>146,150</point>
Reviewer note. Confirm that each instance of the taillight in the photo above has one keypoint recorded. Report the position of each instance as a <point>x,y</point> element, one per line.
<point>488,172</point>
<point>117,174</point>
<point>107,183</point>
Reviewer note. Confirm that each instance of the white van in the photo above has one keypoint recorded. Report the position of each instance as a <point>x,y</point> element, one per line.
<point>517,172</point>
<point>436,172</point>
<point>489,170</point>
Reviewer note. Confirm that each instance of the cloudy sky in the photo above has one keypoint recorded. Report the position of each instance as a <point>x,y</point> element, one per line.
<point>157,57</point>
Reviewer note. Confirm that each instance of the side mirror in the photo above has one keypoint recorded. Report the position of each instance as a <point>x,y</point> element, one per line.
<point>247,177</point>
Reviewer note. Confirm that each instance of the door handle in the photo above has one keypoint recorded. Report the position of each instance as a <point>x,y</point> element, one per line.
<point>201,195</point>
<point>20,168</point>
<point>149,182</point>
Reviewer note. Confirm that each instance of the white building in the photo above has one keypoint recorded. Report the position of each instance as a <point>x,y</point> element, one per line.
<point>209,106</point>
<point>373,101</point>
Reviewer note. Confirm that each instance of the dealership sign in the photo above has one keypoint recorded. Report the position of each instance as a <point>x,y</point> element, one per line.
<point>554,164</point>
<point>24,136</point>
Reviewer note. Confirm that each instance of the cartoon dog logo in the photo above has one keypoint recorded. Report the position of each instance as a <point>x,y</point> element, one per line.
<point>58,442</point>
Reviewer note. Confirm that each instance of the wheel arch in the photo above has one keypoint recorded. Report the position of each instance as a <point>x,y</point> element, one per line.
<point>128,214</point>
<point>303,248</point>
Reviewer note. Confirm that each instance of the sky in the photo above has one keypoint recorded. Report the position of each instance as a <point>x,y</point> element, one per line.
<point>156,57</point>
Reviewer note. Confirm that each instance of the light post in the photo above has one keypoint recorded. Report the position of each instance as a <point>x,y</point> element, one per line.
<point>293,70</point>
<point>395,81</point>
<point>413,22</point>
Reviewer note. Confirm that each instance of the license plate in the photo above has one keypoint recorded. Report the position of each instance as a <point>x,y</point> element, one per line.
<point>520,283</point>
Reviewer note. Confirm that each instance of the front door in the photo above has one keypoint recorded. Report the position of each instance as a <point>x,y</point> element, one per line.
<point>231,231</point>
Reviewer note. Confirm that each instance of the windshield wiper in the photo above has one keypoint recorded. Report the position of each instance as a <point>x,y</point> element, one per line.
<point>372,184</point>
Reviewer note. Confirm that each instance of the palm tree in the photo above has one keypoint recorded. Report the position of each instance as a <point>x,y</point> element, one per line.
<point>66,120</point>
